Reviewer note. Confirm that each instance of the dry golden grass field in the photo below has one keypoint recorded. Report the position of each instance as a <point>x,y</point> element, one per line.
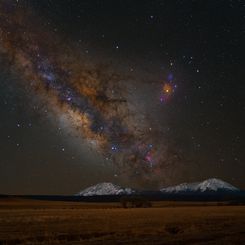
<point>54,222</point>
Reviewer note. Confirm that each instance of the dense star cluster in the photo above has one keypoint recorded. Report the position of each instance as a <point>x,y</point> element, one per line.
<point>150,94</point>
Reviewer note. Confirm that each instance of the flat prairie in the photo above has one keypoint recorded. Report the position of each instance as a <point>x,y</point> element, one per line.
<point>25,221</point>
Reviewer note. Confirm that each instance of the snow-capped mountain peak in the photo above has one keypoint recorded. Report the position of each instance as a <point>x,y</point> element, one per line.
<point>215,185</point>
<point>209,185</point>
<point>105,188</point>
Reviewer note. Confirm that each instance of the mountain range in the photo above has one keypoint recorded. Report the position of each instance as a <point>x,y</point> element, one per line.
<point>212,185</point>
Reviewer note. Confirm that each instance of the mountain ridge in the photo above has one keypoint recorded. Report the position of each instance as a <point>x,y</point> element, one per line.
<point>105,188</point>
<point>212,185</point>
<point>208,185</point>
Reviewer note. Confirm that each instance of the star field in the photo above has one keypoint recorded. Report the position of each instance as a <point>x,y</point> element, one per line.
<point>144,94</point>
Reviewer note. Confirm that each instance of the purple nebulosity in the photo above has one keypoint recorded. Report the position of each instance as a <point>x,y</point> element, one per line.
<point>170,77</point>
<point>162,99</point>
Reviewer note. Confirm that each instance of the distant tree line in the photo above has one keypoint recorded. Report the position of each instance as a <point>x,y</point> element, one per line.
<point>135,202</point>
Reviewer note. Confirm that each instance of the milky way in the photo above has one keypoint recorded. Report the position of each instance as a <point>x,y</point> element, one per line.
<point>93,98</point>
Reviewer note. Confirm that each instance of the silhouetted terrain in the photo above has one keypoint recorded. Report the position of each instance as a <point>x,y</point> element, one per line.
<point>150,195</point>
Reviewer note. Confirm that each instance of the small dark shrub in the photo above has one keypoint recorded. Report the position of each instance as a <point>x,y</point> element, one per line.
<point>172,229</point>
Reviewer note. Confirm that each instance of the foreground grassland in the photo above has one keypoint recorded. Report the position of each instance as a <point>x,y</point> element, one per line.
<point>49,222</point>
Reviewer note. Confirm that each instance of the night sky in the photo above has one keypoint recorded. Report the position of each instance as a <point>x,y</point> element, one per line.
<point>144,94</point>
